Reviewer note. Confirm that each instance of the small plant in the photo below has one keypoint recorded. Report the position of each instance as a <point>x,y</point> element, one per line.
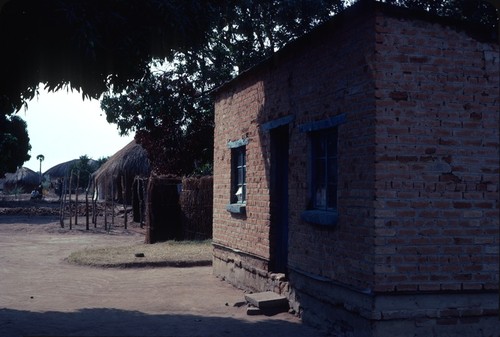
<point>204,170</point>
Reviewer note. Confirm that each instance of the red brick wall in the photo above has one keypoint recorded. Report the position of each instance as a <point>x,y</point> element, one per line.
<point>325,76</point>
<point>331,78</point>
<point>235,119</point>
<point>419,154</point>
<point>437,158</point>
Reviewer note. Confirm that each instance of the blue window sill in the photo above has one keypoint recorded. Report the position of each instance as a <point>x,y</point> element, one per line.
<point>322,218</point>
<point>236,208</point>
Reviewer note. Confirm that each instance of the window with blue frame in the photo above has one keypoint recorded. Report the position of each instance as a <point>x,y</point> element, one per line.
<point>324,169</point>
<point>238,199</point>
<point>239,167</point>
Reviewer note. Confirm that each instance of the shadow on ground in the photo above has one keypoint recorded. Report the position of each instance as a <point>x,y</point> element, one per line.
<point>115,322</point>
<point>33,221</point>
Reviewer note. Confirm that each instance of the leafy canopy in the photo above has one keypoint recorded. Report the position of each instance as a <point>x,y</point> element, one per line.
<point>14,143</point>
<point>99,45</point>
<point>94,44</point>
<point>172,110</point>
<point>82,170</point>
<point>89,45</point>
<point>84,45</point>
<point>480,12</point>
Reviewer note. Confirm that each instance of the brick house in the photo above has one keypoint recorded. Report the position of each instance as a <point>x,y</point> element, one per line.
<point>357,172</point>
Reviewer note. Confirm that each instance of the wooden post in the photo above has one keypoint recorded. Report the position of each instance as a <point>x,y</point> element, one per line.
<point>87,205</point>
<point>95,196</point>
<point>149,214</point>
<point>76,196</point>
<point>62,205</point>
<point>105,204</point>
<point>69,201</point>
<point>142,201</point>
<point>139,197</point>
<point>124,197</point>
<point>113,200</point>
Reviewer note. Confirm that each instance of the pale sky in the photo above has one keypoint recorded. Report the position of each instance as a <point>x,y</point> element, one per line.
<point>62,126</point>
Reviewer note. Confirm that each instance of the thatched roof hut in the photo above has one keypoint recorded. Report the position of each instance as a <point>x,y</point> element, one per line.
<point>117,174</point>
<point>63,170</point>
<point>23,180</point>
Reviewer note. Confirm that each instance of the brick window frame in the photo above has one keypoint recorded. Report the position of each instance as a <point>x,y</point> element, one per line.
<point>322,205</point>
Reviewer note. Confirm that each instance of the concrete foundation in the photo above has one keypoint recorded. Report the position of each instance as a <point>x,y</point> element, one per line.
<point>349,312</point>
<point>248,272</point>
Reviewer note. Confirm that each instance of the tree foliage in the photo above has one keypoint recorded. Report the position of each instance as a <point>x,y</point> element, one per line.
<point>172,110</point>
<point>89,45</point>
<point>85,45</point>
<point>476,12</point>
<point>83,169</point>
<point>98,45</point>
<point>14,143</point>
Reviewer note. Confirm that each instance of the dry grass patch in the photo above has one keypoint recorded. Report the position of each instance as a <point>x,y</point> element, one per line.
<point>165,254</point>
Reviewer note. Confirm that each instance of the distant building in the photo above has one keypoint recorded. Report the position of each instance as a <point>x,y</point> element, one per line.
<point>23,180</point>
<point>115,178</point>
<point>357,172</point>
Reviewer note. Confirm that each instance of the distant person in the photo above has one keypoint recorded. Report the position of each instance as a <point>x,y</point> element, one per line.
<point>37,193</point>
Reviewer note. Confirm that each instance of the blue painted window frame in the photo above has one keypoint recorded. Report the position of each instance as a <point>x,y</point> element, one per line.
<point>238,176</point>
<point>239,168</point>
<point>323,135</point>
<point>324,169</point>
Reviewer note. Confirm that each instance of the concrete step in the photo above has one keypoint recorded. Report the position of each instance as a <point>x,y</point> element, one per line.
<point>267,301</point>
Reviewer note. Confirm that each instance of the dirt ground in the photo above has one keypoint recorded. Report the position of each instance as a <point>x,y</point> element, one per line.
<point>43,295</point>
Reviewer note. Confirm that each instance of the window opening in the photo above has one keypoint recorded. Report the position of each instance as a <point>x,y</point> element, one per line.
<point>324,177</point>
<point>239,175</point>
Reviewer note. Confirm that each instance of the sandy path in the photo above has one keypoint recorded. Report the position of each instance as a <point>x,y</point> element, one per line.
<point>42,295</point>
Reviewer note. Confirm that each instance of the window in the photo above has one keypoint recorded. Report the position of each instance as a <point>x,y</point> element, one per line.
<point>239,167</point>
<point>238,197</point>
<point>324,175</point>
